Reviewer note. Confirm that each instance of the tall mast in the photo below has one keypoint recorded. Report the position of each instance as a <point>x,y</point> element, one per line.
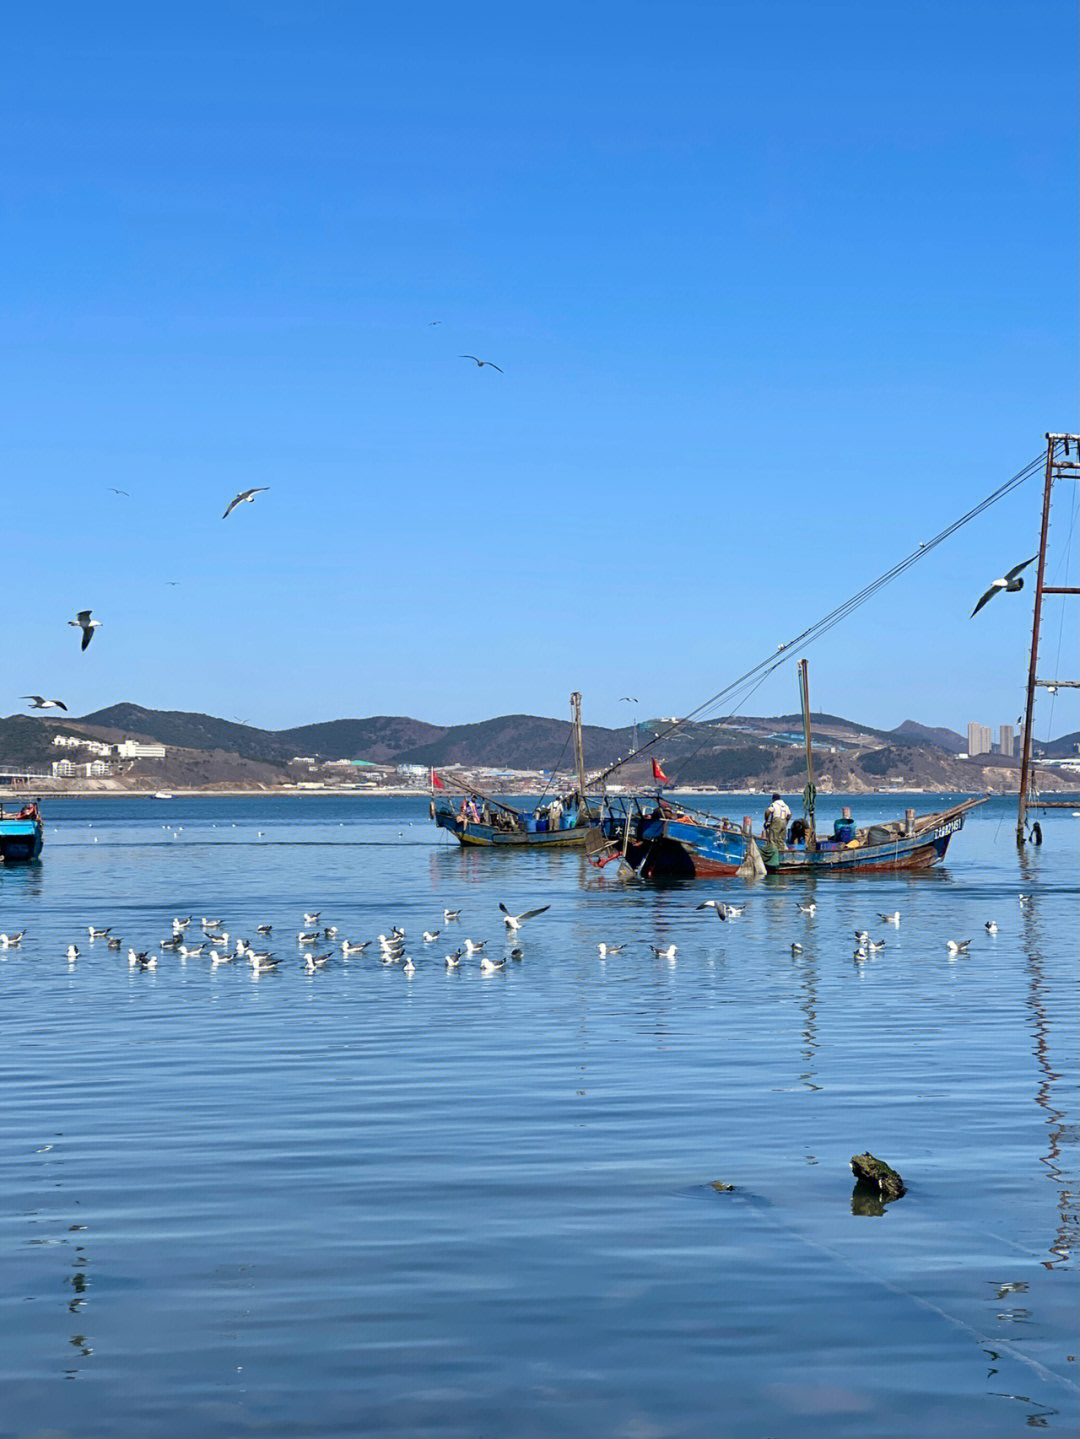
<point>1067,467</point>
<point>810,793</point>
<point>579,749</point>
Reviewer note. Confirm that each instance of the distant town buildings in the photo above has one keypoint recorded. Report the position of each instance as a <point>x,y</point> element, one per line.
<point>126,749</point>
<point>980,739</point>
<point>71,769</point>
<point>132,749</point>
<point>1006,740</point>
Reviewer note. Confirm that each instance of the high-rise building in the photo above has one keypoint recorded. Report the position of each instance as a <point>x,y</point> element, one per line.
<point>1006,741</point>
<point>980,739</point>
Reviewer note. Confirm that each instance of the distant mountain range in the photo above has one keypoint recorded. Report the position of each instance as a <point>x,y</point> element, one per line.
<point>750,751</point>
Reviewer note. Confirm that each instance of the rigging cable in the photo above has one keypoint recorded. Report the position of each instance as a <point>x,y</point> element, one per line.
<point>765,667</point>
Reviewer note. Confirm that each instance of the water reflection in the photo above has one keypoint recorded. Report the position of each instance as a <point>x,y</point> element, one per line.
<point>1066,1232</point>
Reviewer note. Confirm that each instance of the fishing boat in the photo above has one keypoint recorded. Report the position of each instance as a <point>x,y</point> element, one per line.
<point>479,819</point>
<point>677,841</point>
<point>21,834</point>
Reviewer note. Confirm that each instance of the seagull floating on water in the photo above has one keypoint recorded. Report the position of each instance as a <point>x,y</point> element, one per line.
<point>796,948</point>
<point>991,926</point>
<point>489,966</point>
<point>1010,582</point>
<point>98,933</point>
<point>312,918</point>
<point>471,947</point>
<point>606,949</point>
<point>893,918</point>
<point>82,621</point>
<point>347,948</point>
<point>449,915</point>
<point>73,951</point>
<point>810,908</point>
<point>958,946</point>
<point>40,703</point>
<point>668,953</point>
<point>430,936</point>
<point>11,940</point>
<point>248,495</point>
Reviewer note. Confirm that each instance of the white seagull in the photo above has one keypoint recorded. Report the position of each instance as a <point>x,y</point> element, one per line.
<point>605,949</point>
<point>991,926</point>
<point>449,915</point>
<point>430,936</point>
<point>668,953</point>
<point>73,951</point>
<point>489,966</point>
<point>98,933</point>
<point>43,704</point>
<point>958,946</point>
<point>312,918</point>
<point>82,621</point>
<point>1010,581</point>
<point>347,948</point>
<point>796,949</point>
<point>11,940</point>
<point>453,960</point>
<point>810,908</point>
<point>248,495</point>
<point>514,922</point>
<point>893,918</point>
<point>471,947</point>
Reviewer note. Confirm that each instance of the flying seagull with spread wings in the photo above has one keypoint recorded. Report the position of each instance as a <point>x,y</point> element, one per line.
<point>248,495</point>
<point>481,363</point>
<point>82,621</point>
<point>44,704</point>
<point>1010,582</point>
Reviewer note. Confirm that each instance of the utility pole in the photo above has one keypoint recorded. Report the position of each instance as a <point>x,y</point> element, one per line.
<point>579,749</point>
<point>810,793</point>
<point>1065,466</point>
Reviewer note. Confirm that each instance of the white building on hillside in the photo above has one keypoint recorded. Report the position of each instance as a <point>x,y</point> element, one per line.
<point>132,749</point>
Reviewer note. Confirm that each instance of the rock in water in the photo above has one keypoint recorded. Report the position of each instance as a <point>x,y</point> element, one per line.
<point>875,1172</point>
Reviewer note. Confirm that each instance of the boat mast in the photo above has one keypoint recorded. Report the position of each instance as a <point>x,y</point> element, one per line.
<point>579,749</point>
<point>1056,469</point>
<point>810,793</point>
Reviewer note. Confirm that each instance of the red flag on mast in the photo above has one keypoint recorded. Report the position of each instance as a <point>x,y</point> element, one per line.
<point>436,782</point>
<point>658,774</point>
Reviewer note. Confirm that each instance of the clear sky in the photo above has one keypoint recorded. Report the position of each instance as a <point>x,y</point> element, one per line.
<point>778,290</point>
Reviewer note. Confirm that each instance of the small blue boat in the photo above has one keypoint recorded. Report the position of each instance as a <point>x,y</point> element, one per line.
<point>21,834</point>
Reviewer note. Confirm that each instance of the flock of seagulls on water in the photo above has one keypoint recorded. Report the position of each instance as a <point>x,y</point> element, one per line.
<point>319,944</point>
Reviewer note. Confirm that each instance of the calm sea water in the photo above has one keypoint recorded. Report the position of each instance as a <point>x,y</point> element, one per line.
<point>468,1204</point>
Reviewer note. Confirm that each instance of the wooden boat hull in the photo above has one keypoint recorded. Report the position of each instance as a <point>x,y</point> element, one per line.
<point>681,848</point>
<point>486,836</point>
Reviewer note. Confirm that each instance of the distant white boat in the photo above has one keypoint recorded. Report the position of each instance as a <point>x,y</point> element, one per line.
<point>163,794</point>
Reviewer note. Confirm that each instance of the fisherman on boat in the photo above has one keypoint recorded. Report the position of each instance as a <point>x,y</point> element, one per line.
<point>776,822</point>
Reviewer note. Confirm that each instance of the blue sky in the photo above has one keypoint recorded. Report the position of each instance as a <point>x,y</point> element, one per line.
<point>778,291</point>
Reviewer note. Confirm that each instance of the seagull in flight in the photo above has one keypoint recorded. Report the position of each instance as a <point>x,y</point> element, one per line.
<point>114,491</point>
<point>480,363</point>
<point>514,922</point>
<point>82,621</point>
<point>44,704</point>
<point>1010,582</point>
<point>248,495</point>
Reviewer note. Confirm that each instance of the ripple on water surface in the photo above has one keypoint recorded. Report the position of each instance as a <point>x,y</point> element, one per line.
<point>457,1203</point>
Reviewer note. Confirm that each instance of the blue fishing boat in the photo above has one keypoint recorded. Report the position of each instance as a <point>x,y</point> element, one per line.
<point>21,834</point>
<point>565,821</point>
<point>678,842</point>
